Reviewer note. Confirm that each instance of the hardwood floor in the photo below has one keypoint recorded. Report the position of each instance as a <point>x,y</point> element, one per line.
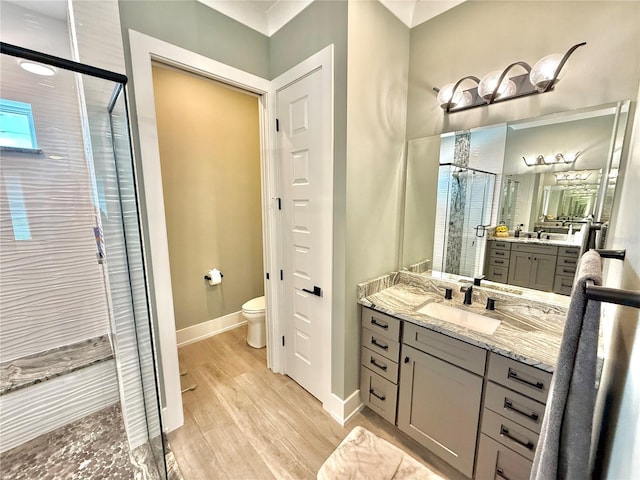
<point>244,421</point>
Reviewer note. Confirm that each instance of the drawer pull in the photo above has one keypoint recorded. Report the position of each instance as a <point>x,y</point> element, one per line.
<point>514,376</point>
<point>505,432</point>
<point>501,254</point>
<point>382,398</point>
<point>509,406</point>
<point>381,325</point>
<point>571,252</point>
<point>500,473</point>
<point>379,365</point>
<point>570,262</point>
<point>499,261</point>
<point>379,345</point>
<point>564,270</point>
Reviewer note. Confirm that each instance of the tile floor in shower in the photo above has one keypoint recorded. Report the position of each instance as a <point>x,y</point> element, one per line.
<point>94,447</point>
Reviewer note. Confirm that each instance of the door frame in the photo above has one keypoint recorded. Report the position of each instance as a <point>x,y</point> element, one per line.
<point>144,50</point>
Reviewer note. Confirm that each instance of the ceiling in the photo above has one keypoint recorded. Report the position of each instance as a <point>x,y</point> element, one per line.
<point>268,16</point>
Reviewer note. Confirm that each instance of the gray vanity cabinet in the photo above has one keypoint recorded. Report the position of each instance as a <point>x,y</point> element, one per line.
<point>439,402</point>
<point>379,360</point>
<point>514,406</point>
<point>533,266</point>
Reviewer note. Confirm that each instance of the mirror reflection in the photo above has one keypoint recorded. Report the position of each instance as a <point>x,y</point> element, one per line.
<point>530,183</point>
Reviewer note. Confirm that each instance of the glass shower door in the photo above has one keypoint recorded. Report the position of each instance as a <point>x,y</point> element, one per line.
<point>73,299</point>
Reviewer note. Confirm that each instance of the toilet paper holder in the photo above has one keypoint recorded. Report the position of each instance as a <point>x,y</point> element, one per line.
<point>207,277</point>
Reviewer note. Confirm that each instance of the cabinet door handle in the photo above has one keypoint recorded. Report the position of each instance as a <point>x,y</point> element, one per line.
<point>377,324</point>
<point>382,398</point>
<point>379,365</point>
<point>500,473</point>
<point>505,431</point>
<point>508,404</point>
<point>379,345</point>
<point>513,375</point>
<point>406,359</point>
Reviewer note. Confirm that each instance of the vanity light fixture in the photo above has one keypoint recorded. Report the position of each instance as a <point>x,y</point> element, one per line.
<point>497,86</point>
<point>557,159</point>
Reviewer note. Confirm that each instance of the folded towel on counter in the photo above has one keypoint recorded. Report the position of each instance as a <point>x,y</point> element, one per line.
<point>565,437</point>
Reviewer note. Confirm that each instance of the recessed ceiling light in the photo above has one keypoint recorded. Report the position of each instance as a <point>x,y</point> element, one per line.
<point>55,157</point>
<point>37,68</point>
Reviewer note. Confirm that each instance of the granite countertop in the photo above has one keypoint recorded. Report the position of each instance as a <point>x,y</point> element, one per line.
<point>530,331</point>
<point>39,367</point>
<point>542,241</point>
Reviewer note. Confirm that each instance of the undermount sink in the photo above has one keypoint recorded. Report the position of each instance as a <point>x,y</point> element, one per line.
<point>462,318</point>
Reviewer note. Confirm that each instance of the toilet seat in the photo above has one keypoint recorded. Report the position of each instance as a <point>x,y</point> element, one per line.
<point>255,305</point>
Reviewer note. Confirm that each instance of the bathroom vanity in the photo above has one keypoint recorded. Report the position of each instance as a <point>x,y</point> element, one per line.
<point>473,399</point>
<point>545,265</point>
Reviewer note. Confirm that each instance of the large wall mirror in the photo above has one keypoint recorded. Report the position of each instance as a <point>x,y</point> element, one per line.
<point>547,177</point>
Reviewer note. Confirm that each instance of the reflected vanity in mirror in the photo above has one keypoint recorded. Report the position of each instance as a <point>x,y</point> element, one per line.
<point>544,178</point>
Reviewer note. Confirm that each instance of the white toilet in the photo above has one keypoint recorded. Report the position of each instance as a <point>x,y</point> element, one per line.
<point>253,311</point>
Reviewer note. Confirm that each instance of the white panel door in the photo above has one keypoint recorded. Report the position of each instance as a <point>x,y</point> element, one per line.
<point>306,218</point>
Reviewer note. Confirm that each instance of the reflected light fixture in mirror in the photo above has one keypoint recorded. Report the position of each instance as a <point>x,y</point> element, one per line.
<point>498,86</point>
<point>557,159</point>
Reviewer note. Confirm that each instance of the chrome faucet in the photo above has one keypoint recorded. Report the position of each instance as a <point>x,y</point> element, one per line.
<point>468,293</point>
<point>540,232</point>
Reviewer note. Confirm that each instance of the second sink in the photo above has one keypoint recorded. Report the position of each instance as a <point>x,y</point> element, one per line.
<point>463,318</point>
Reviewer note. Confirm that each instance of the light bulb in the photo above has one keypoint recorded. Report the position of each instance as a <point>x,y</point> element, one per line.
<point>543,71</point>
<point>448,98</point>
<point>488,85</point>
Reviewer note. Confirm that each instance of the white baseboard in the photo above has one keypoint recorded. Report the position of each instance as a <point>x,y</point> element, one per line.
<point>343,410</point>
<point>198,332</point>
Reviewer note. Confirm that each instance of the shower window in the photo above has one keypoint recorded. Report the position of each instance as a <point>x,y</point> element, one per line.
<point>17,130</point>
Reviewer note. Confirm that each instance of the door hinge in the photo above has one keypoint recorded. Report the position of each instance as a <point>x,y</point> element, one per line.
<point>267,275</point>
<point>277,125</point>
<point>283,340</point>
<point>281,275</point>
<point>279,203</point>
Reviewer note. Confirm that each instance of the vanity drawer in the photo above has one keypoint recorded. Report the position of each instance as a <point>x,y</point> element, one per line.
<point>494,253</point>
<point>500,245</point>
<point>379,364</point>
<point>380,323</point>
<point>563,285</point>
<point>509,433</point>
<point>525,379</point>
<point>379,394</point>
<point>380,344</point>
<point>533,248</point>
<point>497,274</point>
<point>514,406</point>
<point>495,461</point>
<point>564,270</point>
<point>567,262</point>
<point>446,348</point>
<point>569,252</point>
<point>499,261</point>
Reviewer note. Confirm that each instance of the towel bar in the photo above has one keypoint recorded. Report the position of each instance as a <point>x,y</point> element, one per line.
<point>617,254</point>
<point>618,296</point>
